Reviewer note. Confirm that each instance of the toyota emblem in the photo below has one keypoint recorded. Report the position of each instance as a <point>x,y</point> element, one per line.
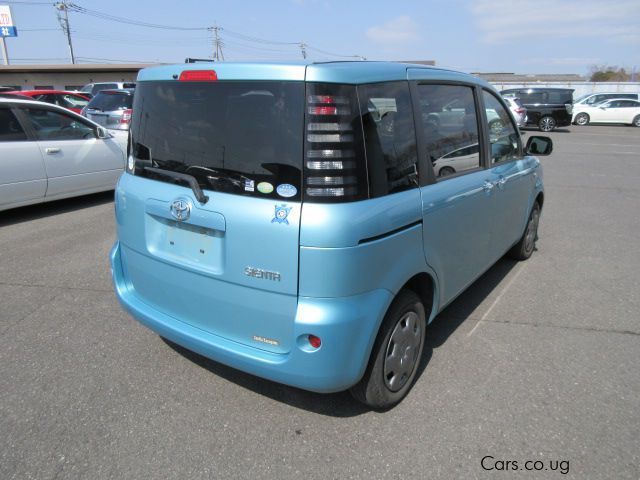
<point>180,209</point>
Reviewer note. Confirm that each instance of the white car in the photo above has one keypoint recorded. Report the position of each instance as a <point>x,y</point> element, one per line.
<point>618,110</point>
<point>458,160</point>
<point>518,110</point>
<point>48,153</point>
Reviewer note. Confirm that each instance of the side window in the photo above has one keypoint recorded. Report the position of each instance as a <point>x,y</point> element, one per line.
<point>450,128</point>
<point>503,135</point>
<point>50,125</point>
<point>390,139</point>
<point>70,101</point>
<point>10,129</point>
<point>45,97</point>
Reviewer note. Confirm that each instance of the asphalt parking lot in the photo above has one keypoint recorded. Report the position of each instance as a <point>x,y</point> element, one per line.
<point>537,361</point>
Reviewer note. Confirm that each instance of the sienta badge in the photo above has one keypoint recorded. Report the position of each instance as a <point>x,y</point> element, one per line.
<point>281,214</point>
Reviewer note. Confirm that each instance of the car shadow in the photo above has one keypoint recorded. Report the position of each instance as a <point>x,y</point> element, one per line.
<point>57,207</point>
<point>342,404</point>
<point>536,129</point>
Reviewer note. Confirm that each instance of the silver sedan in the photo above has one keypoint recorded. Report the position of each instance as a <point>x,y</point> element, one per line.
<point>49,153</point>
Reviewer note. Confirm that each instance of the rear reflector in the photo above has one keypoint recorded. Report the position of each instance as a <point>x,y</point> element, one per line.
<point>198,76</point>
<point>314,341</point>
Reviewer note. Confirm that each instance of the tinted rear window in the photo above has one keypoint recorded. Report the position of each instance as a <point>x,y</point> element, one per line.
<point>542,96</point>
<point>108,102</point>
<point>237,137</point>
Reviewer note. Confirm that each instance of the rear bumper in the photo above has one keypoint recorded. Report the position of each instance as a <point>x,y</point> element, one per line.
<point>346,325</point>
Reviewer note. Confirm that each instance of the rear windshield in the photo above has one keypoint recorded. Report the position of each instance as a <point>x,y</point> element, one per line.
<point>108,102</point>
<point>237,137</point>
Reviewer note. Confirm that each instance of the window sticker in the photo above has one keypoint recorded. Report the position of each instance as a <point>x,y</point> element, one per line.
<point>249,185</point>
<point>286,190</point>
<point>265,187</point>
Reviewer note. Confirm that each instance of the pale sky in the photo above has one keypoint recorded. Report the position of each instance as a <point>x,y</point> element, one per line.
<point>520,36</point>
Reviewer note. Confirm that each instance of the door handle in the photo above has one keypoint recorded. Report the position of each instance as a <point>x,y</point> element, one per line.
<point>487,186</point>
<point>500,183</point>
<point>52,151</point>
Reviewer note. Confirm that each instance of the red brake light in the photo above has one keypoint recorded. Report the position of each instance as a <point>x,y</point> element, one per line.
<point>126,116</point>
<point>198,76</point>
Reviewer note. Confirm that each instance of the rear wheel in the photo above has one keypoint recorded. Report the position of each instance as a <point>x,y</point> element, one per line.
<point>582,119</point>
<point>396,354</point>
<point>636,121</point>
<point>444,171</point>
<point>524,248</point>
<point>495,126</point>
<point>546,124</point>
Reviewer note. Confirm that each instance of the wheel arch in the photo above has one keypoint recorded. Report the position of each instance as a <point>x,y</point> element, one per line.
<point>540,199</point>
<point>424,285</point>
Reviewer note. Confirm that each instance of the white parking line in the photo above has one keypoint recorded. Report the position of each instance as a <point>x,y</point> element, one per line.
<point>495,302</point>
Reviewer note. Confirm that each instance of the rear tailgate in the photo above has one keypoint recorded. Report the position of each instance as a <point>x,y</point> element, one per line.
<point>230,269</point>
<point>227,265</point>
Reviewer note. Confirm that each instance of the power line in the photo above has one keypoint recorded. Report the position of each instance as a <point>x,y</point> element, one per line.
<point>106,16</point>
<point>216,34</point>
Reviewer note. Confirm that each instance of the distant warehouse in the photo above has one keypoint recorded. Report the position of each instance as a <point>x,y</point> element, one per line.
<point>66,77</point>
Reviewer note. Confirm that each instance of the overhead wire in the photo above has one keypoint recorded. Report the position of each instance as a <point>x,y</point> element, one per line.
<point>238,41</point>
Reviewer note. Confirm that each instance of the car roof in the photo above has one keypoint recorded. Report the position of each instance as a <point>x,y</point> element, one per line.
<point>47,106</point>
<point>621,99</point>
<point>537,89</point>
<point>34,92</point>
<point>349,72</point>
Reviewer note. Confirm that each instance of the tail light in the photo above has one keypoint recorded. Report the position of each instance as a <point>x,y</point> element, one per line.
<point>520,111</point>
<point>569,107</point>
<point>334,169</point>
<point>125,119</point>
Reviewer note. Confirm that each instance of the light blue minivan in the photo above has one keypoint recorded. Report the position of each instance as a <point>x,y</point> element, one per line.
<point>305,222</point>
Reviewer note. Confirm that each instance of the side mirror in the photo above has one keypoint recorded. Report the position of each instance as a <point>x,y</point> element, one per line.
<point>539,146</point>
<point>103,133</point>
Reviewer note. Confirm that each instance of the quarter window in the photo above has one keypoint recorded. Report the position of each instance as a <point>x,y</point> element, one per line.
<point>50,125</point>
<point>450,128</point>
<point>390,139</point>
<point>503,135</point>
<point>10,129</point>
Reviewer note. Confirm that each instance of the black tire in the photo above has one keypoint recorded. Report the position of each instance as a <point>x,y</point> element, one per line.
<point>546,124</point>
<point>527,244</point>
<point>582,119</point>
<point>396,354</point>
<point>636,121</point>
<point>444,171</point>
<point>495,126</point>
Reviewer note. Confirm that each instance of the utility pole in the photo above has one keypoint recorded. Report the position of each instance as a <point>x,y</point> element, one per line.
<point>63,7</point>
<point>217,44</point>
<point>5,54</point>
<point>303,49</point>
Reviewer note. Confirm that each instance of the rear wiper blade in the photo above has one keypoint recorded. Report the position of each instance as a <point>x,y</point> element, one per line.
<point>191,181</point>
<point>237,179</point>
